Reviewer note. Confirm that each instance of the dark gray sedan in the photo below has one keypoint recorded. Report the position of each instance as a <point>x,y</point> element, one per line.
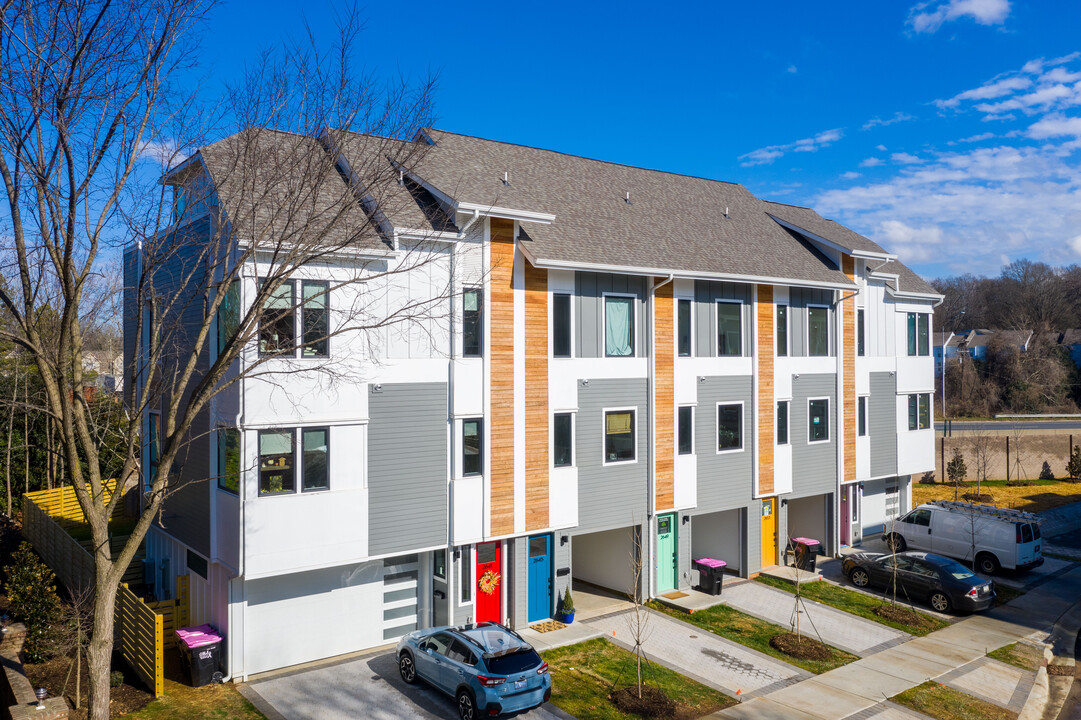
<point>943,583</point>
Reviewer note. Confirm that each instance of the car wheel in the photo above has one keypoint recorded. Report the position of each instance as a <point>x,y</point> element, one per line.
<point>987,563</point>
<point>896,543</point>
<point>940,602</point>
<point>859,577</point>
<point>466,707</point>
<point>407,669</point>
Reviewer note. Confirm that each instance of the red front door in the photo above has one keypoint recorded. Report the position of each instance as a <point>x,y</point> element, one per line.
<point>489,583</point>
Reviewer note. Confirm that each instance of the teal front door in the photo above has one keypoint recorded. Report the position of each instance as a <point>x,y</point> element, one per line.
<point>666,553</point>
<point>540,578</point>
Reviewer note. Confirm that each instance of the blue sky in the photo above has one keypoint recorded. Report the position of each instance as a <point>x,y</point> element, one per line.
<point>948,131</point>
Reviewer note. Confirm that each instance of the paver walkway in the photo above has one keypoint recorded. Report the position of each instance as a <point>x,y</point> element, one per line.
<point>837,628</point>
<point>996,682</point>
<point>698,653</point>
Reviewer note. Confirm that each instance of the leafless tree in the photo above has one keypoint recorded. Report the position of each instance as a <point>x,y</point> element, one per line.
<point>91,97</point>
<point>638,618</point>
<point>981,453</point>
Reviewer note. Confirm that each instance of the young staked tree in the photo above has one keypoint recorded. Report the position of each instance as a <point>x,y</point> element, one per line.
<point>638,618</point>
<point>90,93</point>
<point>956,470</point>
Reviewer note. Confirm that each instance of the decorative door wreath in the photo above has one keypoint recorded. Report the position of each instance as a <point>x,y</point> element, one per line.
<point>488,582</point>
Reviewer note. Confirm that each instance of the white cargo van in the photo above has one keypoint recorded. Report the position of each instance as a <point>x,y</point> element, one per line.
<point>999,538</point>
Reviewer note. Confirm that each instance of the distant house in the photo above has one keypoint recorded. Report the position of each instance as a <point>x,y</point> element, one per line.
<point>1071,340</point>
<point>108,367</point>
<point>1020,339</point>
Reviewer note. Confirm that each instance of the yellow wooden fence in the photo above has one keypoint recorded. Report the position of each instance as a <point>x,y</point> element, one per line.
<point>62,505</point>
<point>140,635</point>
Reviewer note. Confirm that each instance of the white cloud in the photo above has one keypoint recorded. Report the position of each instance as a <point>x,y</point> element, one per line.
<point>766,155</point>
<point>916,244</point>
<point>897,117</point>
<point>880,147</point>
<point>165,152</point>
<point>791,68</point>
<point>1055,125</point>
<point>1075,244</point>
<point>905,159</point>
<point>928,17</point>
<point>871,162</point>
<point>993,89</point>
<point>851,175</point>
<point>977,138</point>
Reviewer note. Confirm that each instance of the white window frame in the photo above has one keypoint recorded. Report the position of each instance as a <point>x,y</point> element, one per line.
<point>472,560</point>
<point>807,334</point>
<point>788,331</point>
<point>864,401</point>
<point>694,423</point>
<point>604,435</point>
<point>552,324</point>
<point>829,430</point>
<point>552,440</point>
<point>604,326</point>
<point>717,323</point>
<point>675,335</point>
<point>788,423</point>
<point>742,426</point>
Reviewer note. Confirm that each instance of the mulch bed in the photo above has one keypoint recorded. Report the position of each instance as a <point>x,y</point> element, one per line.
<point>1063,670</point>
<point>1020,483</point>
<point>653,703</point>
<point>981,497</point>
<point>901,614</point>
<point>801,647</point>
<point>52,674</point>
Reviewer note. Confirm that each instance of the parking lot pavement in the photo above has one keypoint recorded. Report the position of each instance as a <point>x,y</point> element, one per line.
<point>366,687</point>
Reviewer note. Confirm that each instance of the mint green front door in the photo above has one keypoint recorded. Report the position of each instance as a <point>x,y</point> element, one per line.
<point>666,553</point>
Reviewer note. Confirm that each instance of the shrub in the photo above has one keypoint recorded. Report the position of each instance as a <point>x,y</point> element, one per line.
<point>116,679</point>
<point>956,469</point>
<point>32,597</point>
<point>568,601</point>
<point>1073,465</point>
<point>928,478</point>
<point>1046,473</point>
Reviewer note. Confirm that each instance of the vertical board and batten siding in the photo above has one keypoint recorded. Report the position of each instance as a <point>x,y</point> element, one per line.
<point>610,496</point>
<point>407,467</point>
<point>882,423</point>
<point>766,400</point>
<point>536,397</point>
<point>848,363</point>
<point>798,300</point>
<point>725,480</point>
<point>814,464</point>
<point>706,295</point>
<point>501,377</point>
<point>590,289</point>
<point>665,398</point>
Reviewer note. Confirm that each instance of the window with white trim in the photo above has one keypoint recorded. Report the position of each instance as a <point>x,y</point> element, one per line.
<point>620,443</point>
<point>563,440</point>
<point>685,429</point>
<point>861,416</point>
<point>729,329</point>
<point>782,421</point>
<point>918,327</point>
<point>618,326</point>
<point>729,427</point>
<point>919,411</point>
<point>818,420</point>
<point>818,331</point>
<point>782,331</point>
<point>683,327</point>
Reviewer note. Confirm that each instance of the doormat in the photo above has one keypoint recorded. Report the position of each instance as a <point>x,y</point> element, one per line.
<point>675,595</point>
<point>548,626</point>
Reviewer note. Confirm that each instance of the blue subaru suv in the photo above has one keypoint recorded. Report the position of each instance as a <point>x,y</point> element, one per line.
<point>487,668</point>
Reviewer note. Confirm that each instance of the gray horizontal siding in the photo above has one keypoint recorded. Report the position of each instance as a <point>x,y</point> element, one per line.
<point>882,423</point>
<point>589,309</point>
<point>609,496</point>
<point>724,480</point>
<point>814,466</point>
<point>407,467</point>
<point>706,295</point>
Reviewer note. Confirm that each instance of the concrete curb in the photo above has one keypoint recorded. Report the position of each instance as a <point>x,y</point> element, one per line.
<point>1040,692</point>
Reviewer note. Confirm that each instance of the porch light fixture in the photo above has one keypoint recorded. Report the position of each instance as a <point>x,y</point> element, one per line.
<point>563,540</point>
<point>41,693</point>
<point>686,519</point>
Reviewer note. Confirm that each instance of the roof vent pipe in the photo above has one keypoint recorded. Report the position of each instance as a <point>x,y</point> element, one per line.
<point>627,197</point>
<point>401,177</point>
<point>725,212</point>
<point>506,178</point>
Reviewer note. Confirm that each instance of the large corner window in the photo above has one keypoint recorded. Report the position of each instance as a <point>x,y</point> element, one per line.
<point>729,427</point>
<point>561,325</point>
<point>861,333</point>
<point>228,314</point>
<point>472,322</point>
<point>276,462</point>
<point>562,440</point>
<point>782,331</point>
<point>472,446</point>
<point>229,459</point>
<point>729,329</point>
<point>315,443</point>
<point>818,331</point>
<point>818,420</point>
<point>919,411</point>
<point>685,434</point>
<point>315,320</point>
<point>619,440</point>
<point>782,422</point>
<point>683,328</point>
<point>277,326</point>
<point>618,326</point>
<point>919,334</point>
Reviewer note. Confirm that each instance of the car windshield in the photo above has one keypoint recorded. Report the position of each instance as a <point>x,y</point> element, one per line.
<point>956,569</point>
<point>494,640</point>
<point>514,662</point>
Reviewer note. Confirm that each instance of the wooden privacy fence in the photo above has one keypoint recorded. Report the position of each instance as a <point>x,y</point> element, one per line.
<point>62,505</point>
<point>175,613</point>
<point>140,635</point>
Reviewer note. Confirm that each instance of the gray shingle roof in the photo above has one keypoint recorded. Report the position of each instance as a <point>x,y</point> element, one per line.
<point>673,222</point>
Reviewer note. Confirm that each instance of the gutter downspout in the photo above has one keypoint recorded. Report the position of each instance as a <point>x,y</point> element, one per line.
<point>469,224</point>
<point>651,466</point>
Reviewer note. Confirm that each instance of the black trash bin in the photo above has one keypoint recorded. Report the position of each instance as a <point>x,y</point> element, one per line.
<point>805,552</point>
<point>200,653</point>
<point>710,575</point>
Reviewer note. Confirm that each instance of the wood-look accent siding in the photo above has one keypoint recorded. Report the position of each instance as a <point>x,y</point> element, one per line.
<point>766,403</point>
<point>665,397</point>
<point>501,335</point>
<point>848,364</point>
<point>536,398</point>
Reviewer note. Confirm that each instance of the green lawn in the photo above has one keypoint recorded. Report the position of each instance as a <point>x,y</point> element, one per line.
<point>945,703</point>
<point>754,633</point>
<point>853,602</point>
<point>1022,655</point>
<point>181,702</point>
<point>583,675</point>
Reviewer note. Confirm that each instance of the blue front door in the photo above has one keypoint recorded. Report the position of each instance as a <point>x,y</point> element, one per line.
<point>540,578</point>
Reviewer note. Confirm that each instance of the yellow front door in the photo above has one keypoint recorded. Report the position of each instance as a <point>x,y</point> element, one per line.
<point>769,532</point>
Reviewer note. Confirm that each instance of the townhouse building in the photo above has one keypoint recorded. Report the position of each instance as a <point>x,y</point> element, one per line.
<point>635,367</point>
